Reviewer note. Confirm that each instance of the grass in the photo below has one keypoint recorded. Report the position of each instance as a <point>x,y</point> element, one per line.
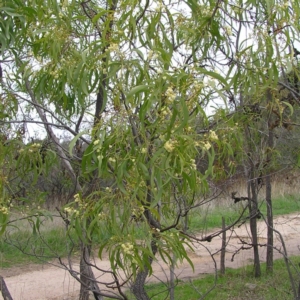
<point>21,246</point>
<point>210,216</point>
<point>235,284</point>
<point>283,205</point>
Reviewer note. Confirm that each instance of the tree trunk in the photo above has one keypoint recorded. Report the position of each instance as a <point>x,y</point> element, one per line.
<point>172,278</point>
<point>4,290</point>
<point>253,209</point>
<point>269,256</point>
<point>84,273</point>
<point>87,278</point>
<point>138,287</point>
<point>223,250</point>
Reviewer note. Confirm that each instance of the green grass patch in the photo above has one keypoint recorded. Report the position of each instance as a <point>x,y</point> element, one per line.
<point>235,284</point>
<point>283,205</point>
<point>211,217</point>
<point>22,247</point>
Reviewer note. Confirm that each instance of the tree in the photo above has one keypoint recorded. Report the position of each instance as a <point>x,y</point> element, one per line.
<point>132,80</point>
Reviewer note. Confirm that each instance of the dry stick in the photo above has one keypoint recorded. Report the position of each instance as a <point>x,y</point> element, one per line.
<point>4,290</point>
<point>286,260</point>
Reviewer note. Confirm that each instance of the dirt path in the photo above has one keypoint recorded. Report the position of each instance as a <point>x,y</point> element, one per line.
<point>41,282</point>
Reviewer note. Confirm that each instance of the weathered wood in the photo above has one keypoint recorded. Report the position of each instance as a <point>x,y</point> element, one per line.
<point>4,290</point>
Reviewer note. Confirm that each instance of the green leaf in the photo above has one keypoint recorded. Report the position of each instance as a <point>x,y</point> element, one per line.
<point>74,140</point>
<point>11,12</point>
<point>215,75</point>
<point>3,222</point>
<point>139,52</point>
<point>144,169</point>
<point>99,15</point>
<point>137,89</point>
<point>84,82</point>
<point>289,106</point>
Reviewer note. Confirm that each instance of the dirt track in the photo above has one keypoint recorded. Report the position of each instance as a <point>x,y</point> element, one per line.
<point>40,282</point>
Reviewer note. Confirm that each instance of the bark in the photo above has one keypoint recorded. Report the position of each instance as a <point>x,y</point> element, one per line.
<point>270,242</point>
<point>87,276</point>
<point>4,290</point>
<point>138,287</point>
<point>84,274</point>
<point>269,258</point>
<point>253,209</point>
<point>252,189</point>
<point>172,278</point>
<point>223,250</point>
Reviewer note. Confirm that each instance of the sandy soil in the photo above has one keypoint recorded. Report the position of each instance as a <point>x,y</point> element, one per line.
<point>41,282</point>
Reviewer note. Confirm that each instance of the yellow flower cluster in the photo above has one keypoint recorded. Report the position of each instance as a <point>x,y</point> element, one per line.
<point>206,146</point>
<point>55,74</point>
<point>193,164</point>
<point>4,210</point>
<point>113,47</point>
<point>152,55</point>
<point>112,160</point>
<point>128,248</point>
<point>137,212</point>
<point>35,145</point>
<point>170,146</point>
<point>228,30</point>
<point>213,135</point>
<point>170,95</point>
<point>33,148</point>
<point>77,198</point>
<point>82,206</point>
<point>165,112</point>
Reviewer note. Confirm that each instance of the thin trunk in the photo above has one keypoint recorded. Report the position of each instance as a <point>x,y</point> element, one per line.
<point>4,290</point>
<point>87,276</point>
<point>252,200</point>
<point>172,278</point>
<point>84,273</point>
<point>269,256</point>
<point>253,209</point>
<point>223,250</point>
<point>138,287</point>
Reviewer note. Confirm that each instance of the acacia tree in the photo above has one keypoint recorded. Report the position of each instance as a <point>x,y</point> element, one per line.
<point>132,80</point>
